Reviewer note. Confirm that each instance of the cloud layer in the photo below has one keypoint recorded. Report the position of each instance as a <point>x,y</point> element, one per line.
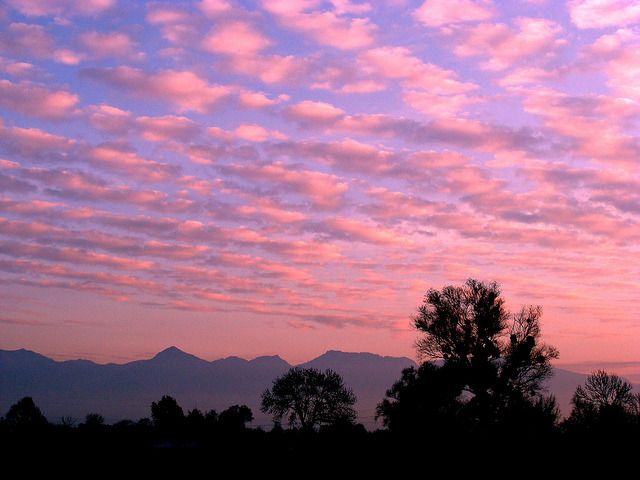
<point>291,176</point>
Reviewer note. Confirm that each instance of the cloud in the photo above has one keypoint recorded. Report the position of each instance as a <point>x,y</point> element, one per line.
<point>258,99</point>
<point>10,183</point>
<point>109,44</point>
<point>256,133</point>
<point>26,40</point>
<point>213,8</point>
<point>17,69</point>
<point>183,88</point>
<point>587,119</point>
<point>325,27</point>
<point>72,255</point>
<point>34,100</point>
<point>324,190</point>
<point>400,63</point>
<point>436,13</point>
<point>505,46</point>
<point>346,155</point>
<point>351,229</point>
<point>604,13</point>
<point>527,75</point>
<point>428,88</point>
<point>61,7</point>
<point>110,119</point>
<point>309,111</point>
<point>168,128</point>
<point>235,38</point>
<point>74,184</point>
<point>270,69</point>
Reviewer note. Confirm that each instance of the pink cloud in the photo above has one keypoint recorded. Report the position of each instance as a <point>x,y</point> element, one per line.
<point>258,99</point>
<point>110,119</point>
<point>235,38</point>
<point>623,73</point>
<point>325,27</point>
<point>437,105</point>
<point>505,46</point>
<point>363,86</point>
<point>256,133</point>
<point>61,7</point>
<point>168,128</point>
<point>10,183</point>
<point>126,161</point>
<point>270,68</point>
<point>72,255</point>
<point>26,39</point>
<point>604,13</point>
<point>266,207</point>
<point>34,100</point>
<point>585,119</point>
<point>250,132</point>
<point>347,155</point>
<point>309,111</point>
<point>33,143</point>
<point>67,57</point>
<point>351,229</point>
<point>78,184</point>
<point>527,75</point>
<point>159,14</point>
<point>17,69</point>
<point>183,88</point>
<point>23,39</point>
<point>436,13</point>
<point>177,24</point>
<point>323,189</point>
<point>400,63</point>
<point>109,44</point>
<point>213,8</point>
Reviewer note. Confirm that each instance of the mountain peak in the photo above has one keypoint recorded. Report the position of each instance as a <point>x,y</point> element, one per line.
<point>173,353</point>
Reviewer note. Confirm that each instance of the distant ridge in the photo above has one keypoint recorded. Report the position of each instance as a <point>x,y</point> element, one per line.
<point>117,391</point>
<point>125,391</point>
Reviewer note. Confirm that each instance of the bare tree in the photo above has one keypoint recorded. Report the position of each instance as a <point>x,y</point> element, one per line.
<point>603,390</point>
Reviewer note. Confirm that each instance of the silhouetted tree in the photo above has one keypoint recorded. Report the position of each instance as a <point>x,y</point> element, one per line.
<point>605,403</point>
<point>493,363</point>
<point>93,421</point>
<point>211,419</point>
<point>310,399</point>
<point>167,414</point>
<point>235,418</point>
<point>195,418</point>
<point>424,399</point>
<point>24,414</point>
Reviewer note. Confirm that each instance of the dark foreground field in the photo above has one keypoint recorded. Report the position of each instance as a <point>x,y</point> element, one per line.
<point>127,450</point>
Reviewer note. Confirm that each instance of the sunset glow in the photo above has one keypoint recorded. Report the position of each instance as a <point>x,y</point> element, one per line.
<point>291,176</point>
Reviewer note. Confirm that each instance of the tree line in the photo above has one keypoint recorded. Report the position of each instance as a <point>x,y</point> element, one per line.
<point>481,378</point>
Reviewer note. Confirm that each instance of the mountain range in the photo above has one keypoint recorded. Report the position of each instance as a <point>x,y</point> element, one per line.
<point>74,388</point>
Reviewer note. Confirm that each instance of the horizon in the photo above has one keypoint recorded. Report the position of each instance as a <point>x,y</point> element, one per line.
<point>256,178</point>
<point>628,370</point>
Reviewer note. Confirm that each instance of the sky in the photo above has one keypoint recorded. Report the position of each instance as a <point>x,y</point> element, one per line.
<point>291,176</point>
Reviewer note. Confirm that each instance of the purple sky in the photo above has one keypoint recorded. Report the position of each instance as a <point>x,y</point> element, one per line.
<point>291,176</point>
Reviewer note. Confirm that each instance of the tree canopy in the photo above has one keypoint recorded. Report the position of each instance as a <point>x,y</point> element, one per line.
<point>310,398</point>
<point>484,362</point>
<point>24,414</point>
<point>167,414</point>
<point>605,402</point>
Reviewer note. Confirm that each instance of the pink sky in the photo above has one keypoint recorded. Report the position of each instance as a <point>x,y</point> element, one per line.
<point>287,177</point>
